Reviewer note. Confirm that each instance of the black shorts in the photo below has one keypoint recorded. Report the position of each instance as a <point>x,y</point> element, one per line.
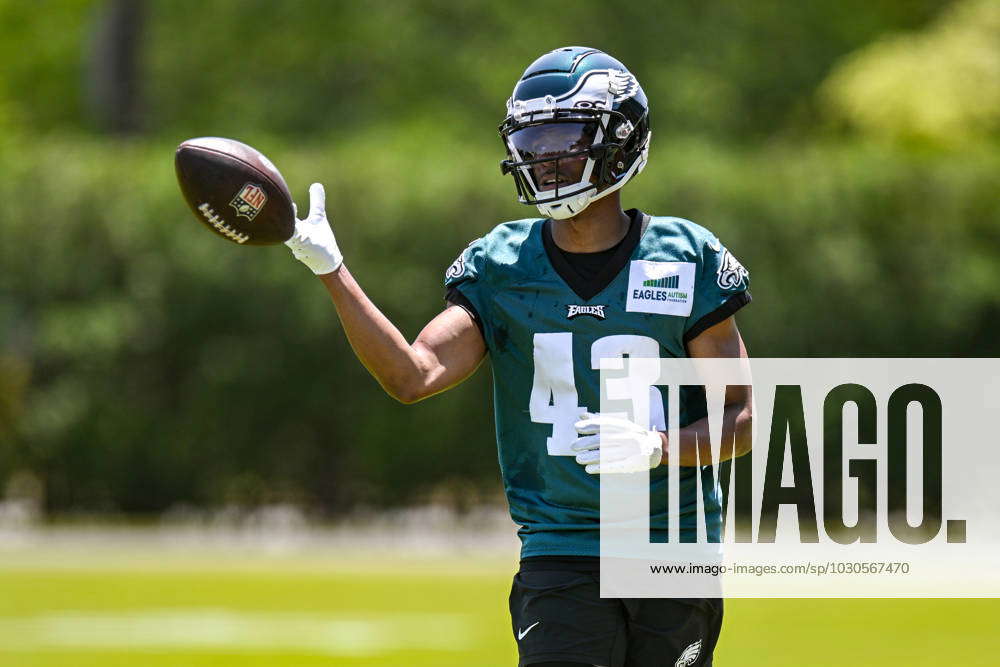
<point>557,614</point>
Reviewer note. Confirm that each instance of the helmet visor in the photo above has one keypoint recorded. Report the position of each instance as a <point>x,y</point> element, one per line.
<point>553,139</point>
<point>568,145</point>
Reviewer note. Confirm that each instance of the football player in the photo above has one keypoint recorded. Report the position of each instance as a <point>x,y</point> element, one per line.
<point>547,298</point>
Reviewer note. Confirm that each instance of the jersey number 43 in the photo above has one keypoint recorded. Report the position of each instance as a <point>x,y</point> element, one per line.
<point>554,398</point>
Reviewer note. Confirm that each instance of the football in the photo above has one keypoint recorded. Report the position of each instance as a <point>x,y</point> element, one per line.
<point>235,191</point>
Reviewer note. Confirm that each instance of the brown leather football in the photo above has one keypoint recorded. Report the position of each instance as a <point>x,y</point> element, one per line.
<point>235,191</point>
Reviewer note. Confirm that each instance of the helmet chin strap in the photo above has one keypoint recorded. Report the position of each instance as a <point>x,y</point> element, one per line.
<point>566,208</point>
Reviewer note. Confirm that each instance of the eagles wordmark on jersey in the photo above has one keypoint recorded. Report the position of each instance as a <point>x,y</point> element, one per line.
<point>546,329</point>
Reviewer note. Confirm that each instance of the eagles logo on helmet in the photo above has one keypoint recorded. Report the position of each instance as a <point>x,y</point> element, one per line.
<point>577,129</point>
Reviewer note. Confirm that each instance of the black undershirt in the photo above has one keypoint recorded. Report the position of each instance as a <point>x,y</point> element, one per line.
<point>590,264</point>
<point>608,263</point>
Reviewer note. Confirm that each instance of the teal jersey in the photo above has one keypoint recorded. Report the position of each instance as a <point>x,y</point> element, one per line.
<point>546,328</point>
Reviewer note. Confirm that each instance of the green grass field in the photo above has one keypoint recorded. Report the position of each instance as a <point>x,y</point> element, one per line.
<point>152,610</point>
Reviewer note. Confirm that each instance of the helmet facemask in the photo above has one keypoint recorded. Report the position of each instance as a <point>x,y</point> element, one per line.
<point>561,160</point>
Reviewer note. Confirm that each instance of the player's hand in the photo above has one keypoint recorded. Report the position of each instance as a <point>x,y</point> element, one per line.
<point>615,445</point>
<point>313,242</point>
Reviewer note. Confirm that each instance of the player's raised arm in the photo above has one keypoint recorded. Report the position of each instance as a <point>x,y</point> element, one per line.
<point>446,352</point>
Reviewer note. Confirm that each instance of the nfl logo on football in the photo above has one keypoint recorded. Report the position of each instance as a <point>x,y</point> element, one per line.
<point>249,200</point>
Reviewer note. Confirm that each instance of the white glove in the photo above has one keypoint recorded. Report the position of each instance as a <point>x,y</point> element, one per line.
<point>313,242</point>
<point>615,445</point>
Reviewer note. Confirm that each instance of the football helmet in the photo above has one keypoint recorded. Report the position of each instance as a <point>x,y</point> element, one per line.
<point>577,129</point>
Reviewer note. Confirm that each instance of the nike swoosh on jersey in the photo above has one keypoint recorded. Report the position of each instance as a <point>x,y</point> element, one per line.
<point>522,633</point>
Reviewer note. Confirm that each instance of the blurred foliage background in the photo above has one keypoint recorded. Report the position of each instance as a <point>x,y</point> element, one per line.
<point>846,151</point>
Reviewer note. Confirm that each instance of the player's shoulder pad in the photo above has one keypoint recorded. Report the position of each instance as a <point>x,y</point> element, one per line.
<point>678,238</point>
<point>501,246</point>
<point>686,235</point>
<point>687,240</point>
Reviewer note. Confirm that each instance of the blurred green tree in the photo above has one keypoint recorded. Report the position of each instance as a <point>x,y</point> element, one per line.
<point>113,68</point>
<point>939,85</point>
<point>144,363</point>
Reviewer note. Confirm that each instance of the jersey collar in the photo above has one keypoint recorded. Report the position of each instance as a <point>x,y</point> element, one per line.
<point>588,289</point>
